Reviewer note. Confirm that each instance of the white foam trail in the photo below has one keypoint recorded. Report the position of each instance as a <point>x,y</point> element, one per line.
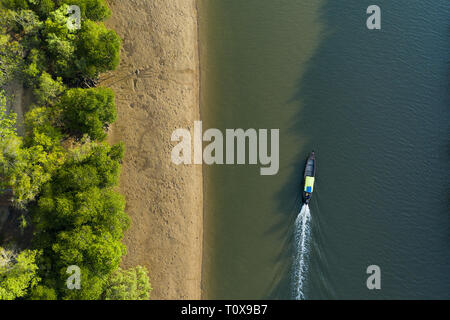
<point>302,237</point>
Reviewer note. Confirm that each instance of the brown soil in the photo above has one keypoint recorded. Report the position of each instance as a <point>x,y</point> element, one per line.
<point>157,88</point>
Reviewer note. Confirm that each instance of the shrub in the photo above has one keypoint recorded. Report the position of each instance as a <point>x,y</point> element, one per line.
<point>132,284</point>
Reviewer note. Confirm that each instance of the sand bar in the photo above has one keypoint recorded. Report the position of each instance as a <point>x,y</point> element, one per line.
<point>157,89</point>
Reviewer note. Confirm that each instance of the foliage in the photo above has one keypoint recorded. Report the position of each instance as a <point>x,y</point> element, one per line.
<point>80,191</point>
<point>12,155</point>
<point>41,292</point>
<point>33,67</point>
<point>132,284</point>
<point>25,168</point>
<point>47,88</point>
<point>25,22</point>
<point>92,285</point>
<point>95,10</point>
<point>12,162</point>
<point>78,217</point>
<point>43,7</point>
<point>40,128</point>
<point>10,58</point>
<point>79,53</point>
<point>84,246</point>
<point>18,273</point>
<point>41,25</point>
<point>97,49</point>
<point>15,4</point>
<point>80,220</point>
<point>7,121</point>
<point>59,42</point>
<point>88,111</point>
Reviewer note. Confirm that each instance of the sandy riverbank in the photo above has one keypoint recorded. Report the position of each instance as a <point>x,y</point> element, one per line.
<point>157,88</point>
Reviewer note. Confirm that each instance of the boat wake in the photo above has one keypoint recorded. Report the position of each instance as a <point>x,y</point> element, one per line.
<point>302,239</point>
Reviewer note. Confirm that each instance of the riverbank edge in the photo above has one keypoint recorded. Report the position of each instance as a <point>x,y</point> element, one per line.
<point>157,89</point>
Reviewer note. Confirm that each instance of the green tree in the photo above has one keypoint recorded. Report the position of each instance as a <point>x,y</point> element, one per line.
<point>15,4</point>
<point>97,49</point>
<point>25,22</point>
<point>95,10</point>
<point>40,128</point>
<point>35,160</point>
<point>81,192</point>
<point>78,216</point>
<point>59,43</point>
<point>92,284</point>
<point>47,88</point>
<point>10,58</point>
<point>34,66</point>
<point>80,220</point>
<point>132,284</point>
<point>43,7</point>
<point>18,273</point>
<point>88,111</point>
<point>13,158</point>
<point>12,161</point>
<point>41,292</point>
<point>88,246</point>
<point>74,55</point>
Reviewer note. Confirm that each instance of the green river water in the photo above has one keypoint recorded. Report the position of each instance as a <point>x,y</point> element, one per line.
<point>373,104</point>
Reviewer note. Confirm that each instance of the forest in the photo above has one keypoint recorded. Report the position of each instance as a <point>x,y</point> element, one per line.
<point>60,174</point>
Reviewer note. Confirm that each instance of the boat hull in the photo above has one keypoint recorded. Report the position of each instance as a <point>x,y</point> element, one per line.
<point>309,178</point>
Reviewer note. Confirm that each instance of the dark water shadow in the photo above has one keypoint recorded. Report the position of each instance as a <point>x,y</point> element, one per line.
<point>303,127</point>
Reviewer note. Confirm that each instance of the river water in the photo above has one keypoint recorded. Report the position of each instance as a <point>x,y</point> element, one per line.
<point>373,104</point>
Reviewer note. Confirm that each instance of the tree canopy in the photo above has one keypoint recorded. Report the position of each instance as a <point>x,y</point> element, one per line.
<point>132,284</point>
<point>24,168</point>
<point>18,273</point>
<point>10,58</point>
<point>88,111</point>
<point>97,49</point>
<point>79,218</point>
<point>60,172</point>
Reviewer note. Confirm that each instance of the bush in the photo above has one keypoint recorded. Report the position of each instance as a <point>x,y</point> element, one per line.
<point>132,284</point>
